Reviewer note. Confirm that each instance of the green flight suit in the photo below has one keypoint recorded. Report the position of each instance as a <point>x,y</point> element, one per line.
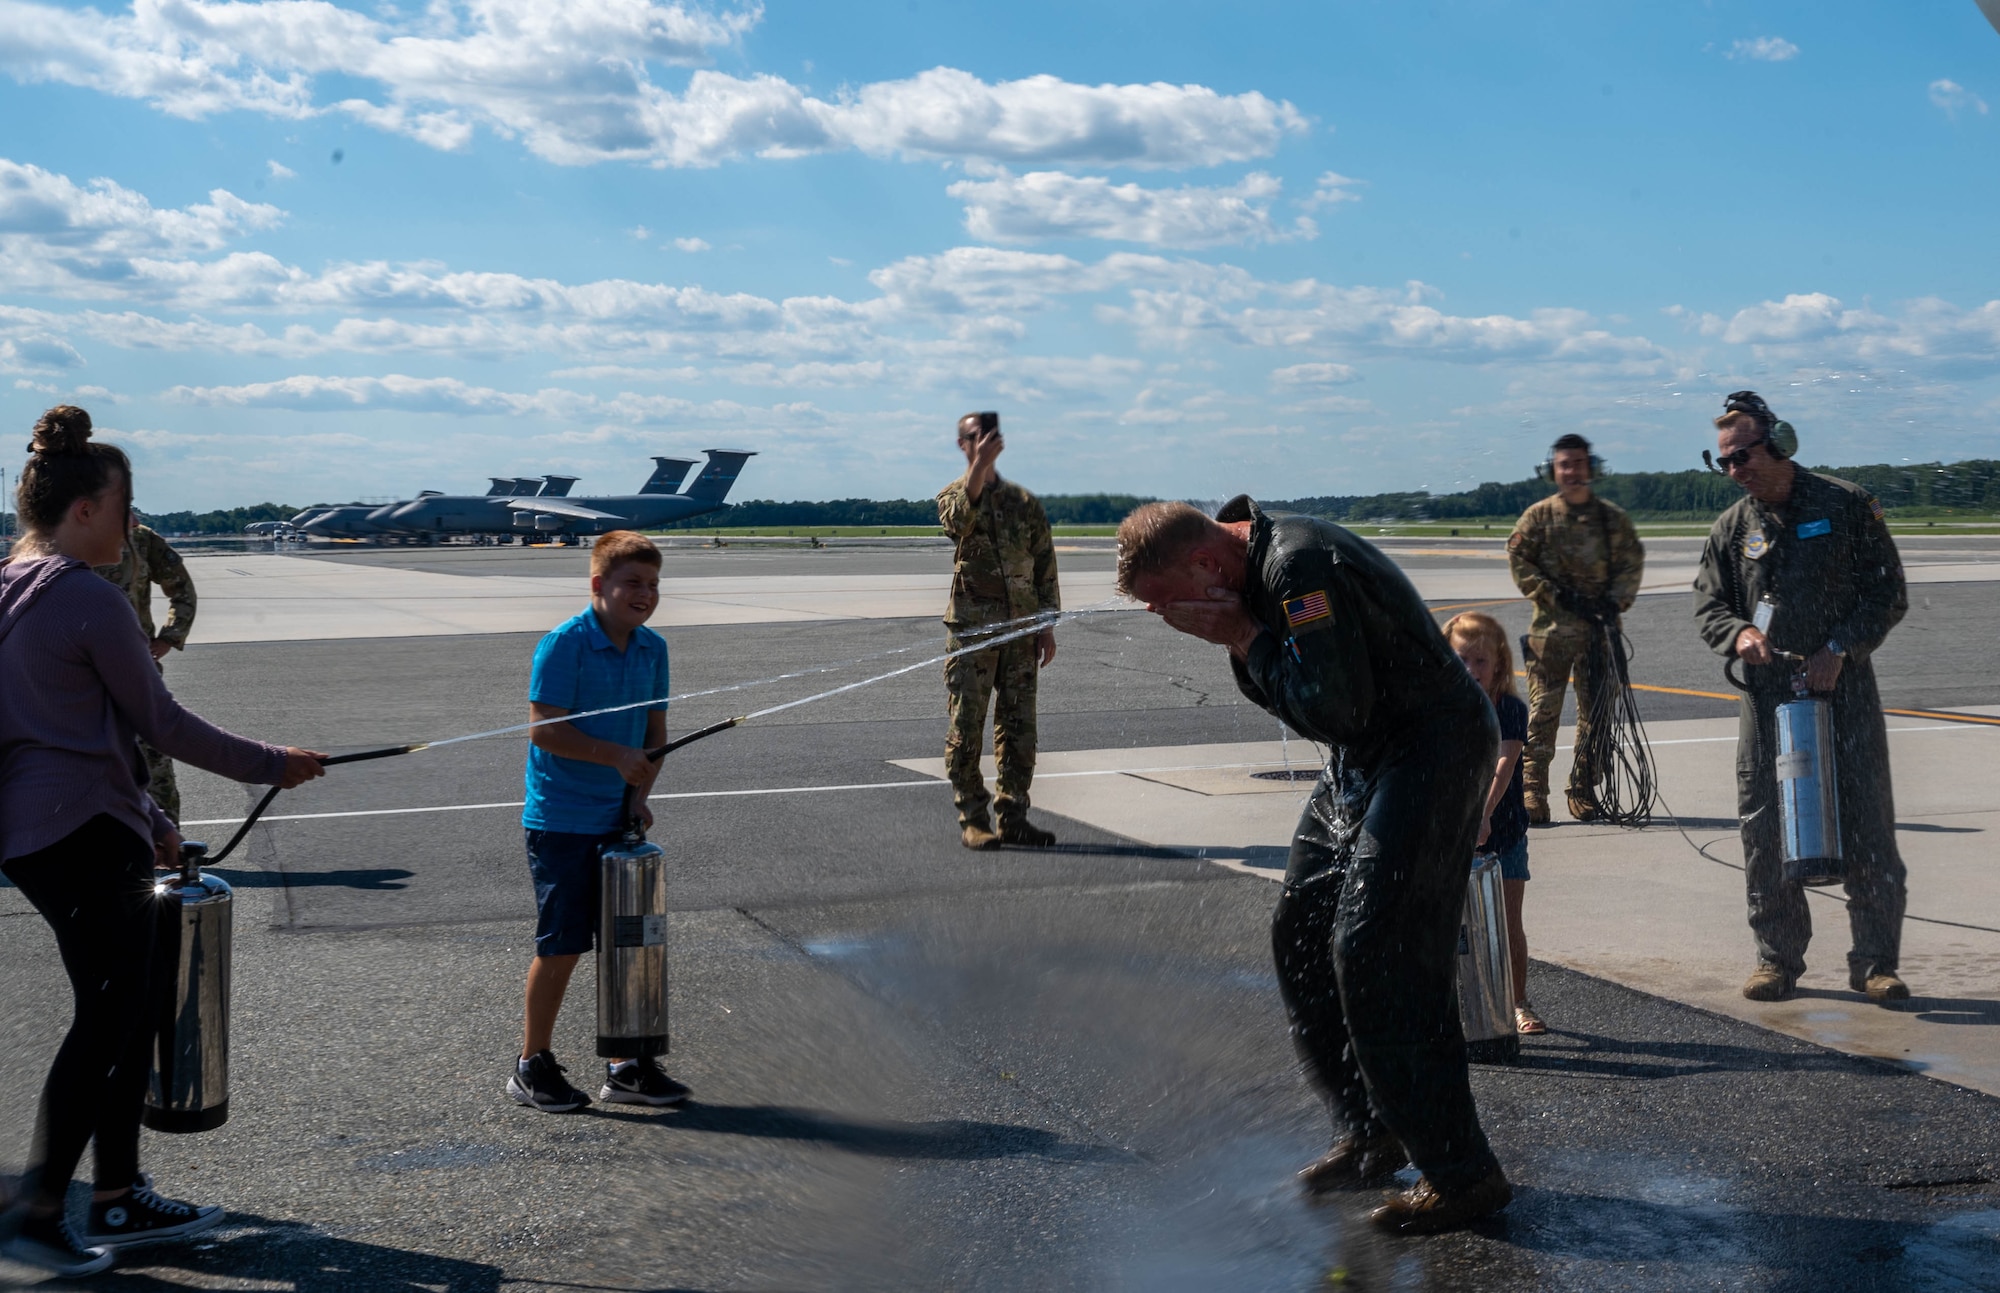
<point>149,560</point>
<point>1826,558</point>
<point>1004,570</point>
<point>1365,932</point>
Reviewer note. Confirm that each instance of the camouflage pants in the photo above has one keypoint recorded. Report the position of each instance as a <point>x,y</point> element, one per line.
<point>166,792</point>
<point>1006,674</point>
<point>1551,662</point>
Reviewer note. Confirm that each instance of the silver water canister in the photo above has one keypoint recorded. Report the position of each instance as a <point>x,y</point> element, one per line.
<point>1486,969</point>
<point>190,1087</point>
<point>632,949</point>
<point>1809,792</point>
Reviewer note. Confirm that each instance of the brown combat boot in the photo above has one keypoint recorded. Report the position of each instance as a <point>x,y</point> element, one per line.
<point>1538,808</point>
<point>1883,988</point>
<point>1584,808</point>
<point>978,834</point>
<point>1020,831</point>
<point>1768,983</point>
<point>1425,1210</point>
<point>1355,1160</point>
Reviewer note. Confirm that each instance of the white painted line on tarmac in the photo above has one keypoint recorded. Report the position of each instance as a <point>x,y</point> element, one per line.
<point>904,785</point>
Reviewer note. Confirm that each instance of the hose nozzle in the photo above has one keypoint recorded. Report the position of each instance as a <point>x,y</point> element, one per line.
<point>661,752</point>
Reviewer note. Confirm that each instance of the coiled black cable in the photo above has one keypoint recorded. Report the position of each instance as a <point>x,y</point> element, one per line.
<point>1614,747</point>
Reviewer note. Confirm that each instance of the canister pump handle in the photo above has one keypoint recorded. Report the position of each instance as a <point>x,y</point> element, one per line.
<point>192,853</point>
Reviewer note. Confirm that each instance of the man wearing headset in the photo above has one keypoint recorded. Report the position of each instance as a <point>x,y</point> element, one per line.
<point>1578,559</point>
<point>1801,573</point>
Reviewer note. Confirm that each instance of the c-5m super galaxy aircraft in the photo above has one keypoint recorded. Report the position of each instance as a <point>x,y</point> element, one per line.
<point>551,512</point>
<point>533,506</point>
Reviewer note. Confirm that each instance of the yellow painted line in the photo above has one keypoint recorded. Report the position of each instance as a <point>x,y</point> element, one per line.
<point>1949,717</point>
<point>1683,691</point>
<point>1943,715</point>
<point>1466,606</point>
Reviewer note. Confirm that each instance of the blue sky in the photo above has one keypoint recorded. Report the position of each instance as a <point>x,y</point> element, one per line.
<point>1186,249</point>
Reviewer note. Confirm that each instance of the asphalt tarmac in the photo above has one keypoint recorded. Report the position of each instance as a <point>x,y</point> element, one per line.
<point>916,1067</point>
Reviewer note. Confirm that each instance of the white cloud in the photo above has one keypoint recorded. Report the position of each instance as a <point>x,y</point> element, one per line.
<point>692,244</point>
<point>574,82</point>
<point>101,218</point>
<point>38,354</point>
<point>1306,314</point>
<point>1953,98</point>
<point>1314,375</point>
<point>1051,204</point>
<point>444,395</point>
<point>947,113</point>
<point>280,171</point>
<point>1332,189</point>
<point>1764,49</point>
<point>640,232</point>
<point>1817,328</point>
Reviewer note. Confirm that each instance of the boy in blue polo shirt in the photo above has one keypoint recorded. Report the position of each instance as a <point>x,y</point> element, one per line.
<point>578,779</point>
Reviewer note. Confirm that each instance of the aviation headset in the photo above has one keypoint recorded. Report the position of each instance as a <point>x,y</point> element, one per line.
<point>1546,468</point>
<point>1778,438</point>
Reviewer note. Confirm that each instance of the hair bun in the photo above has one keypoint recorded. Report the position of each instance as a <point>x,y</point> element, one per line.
<point>62,431</point>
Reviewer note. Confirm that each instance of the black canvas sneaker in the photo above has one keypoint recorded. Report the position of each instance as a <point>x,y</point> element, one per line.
<point>48,1243</point>
<point>538,1082</point>
<point>143,1217</point>
<point>640,1082</point>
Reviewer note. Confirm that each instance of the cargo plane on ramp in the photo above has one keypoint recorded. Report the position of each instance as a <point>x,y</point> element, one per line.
<point>551,512</point>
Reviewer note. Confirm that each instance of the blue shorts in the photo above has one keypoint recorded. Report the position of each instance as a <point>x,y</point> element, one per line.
<point>1514,861</point>
<point>565,868</point>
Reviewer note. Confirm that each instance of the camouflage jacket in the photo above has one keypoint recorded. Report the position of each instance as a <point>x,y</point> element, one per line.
<point>1589,551</point>
<point>148,560</point>
<point>1006,562</point>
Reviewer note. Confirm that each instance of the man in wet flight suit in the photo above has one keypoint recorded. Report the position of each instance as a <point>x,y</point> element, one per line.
<point>1324,632</point>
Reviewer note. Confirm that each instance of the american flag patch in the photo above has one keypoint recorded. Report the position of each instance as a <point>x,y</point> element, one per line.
<point>1875,507</point>
<point>1304,610</point>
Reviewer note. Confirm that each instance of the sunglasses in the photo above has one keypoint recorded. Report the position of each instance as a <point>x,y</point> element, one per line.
<point>1728,462</point>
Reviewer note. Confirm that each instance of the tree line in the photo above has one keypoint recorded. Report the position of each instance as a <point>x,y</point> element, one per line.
<point>1970,486</point>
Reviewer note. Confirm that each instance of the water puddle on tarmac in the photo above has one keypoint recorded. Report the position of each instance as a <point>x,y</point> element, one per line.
<point>1961,1252</point>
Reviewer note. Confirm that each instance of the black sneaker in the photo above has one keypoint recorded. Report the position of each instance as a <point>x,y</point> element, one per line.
<point>640,1082</point>
<point>143,1217</point>
<point>49,1244</point>
<point>538,1081</point>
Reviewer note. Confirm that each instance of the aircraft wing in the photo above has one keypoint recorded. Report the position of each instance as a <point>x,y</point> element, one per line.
<point>560,507</point>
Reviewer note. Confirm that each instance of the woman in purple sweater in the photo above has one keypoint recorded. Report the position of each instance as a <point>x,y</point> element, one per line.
<point>80,837</point>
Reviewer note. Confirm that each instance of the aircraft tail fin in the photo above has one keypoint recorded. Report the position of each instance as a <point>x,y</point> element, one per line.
<point>668,473</point>
<point>525,486</point>
<point>556,486</point>
<point>501,485</point>
<point>712,486</point>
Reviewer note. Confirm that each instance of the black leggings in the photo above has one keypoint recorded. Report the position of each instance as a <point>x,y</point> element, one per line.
<point>95,888</point>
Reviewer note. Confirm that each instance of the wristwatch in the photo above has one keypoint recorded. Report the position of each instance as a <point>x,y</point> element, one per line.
<point>1833,645</point>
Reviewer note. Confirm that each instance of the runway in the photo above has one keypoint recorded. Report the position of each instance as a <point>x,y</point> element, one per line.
<point>920,1067</point>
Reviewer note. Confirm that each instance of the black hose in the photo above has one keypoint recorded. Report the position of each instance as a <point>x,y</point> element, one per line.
<point>1615,749</point>
<point>363,756</point>
<point>391,751</point>
<point>661,752</point>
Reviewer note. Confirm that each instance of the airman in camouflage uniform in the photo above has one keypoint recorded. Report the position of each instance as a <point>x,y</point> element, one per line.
<point>150,560</point>
<point>1578,559</point>
<point>1005,571</point>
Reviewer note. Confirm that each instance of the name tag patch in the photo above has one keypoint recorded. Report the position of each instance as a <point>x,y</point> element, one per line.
<point>1813,529</point>
<point>1310,609</point>
<point>1755,545</point>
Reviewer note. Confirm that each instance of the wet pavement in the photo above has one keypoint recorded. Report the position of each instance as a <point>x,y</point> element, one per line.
<point>921,1068</point>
